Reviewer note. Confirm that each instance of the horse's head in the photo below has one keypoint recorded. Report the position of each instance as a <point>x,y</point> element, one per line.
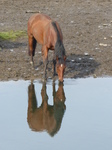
<point>60,67</point>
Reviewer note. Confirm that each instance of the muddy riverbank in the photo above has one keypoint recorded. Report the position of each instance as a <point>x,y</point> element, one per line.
<point>87,31</point>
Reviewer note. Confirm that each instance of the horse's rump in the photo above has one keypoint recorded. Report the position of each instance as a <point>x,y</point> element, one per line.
<point>41,27</point>
<point>36,26</point>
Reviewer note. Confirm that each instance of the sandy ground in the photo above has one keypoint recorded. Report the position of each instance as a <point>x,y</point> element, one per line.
<point>87,32</point>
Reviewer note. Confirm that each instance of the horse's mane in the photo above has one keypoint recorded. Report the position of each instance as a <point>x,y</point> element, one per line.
<point>59,47</point>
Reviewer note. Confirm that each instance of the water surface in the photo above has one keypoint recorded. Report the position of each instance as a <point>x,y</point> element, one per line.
<point>77,115</point>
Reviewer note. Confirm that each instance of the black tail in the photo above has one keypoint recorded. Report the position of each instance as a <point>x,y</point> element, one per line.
<point>34,45</point>
<point>32,51</point>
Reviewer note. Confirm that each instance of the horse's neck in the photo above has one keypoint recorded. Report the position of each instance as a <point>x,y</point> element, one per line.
<point>59,50</point>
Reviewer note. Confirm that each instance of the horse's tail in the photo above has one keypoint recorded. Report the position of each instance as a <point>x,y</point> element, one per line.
<point>34,42</point>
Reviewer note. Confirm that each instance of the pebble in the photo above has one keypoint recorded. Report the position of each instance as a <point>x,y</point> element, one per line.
<point>86,54</point>
<point>37,69</point>
<point>2,24</point>
<point>102,44</point>
<point>72,21</point>
<point>100,27</point>
<point>107,24</point>
<point>96,48</point>
<point>9,69</point>
<point>58,15</point>
<point>11,50</point>
<point>91,58</point>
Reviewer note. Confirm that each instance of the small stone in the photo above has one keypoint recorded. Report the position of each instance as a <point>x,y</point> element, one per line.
<point>72,21</point>
<point>9,69</point>
<point>2,24</point>
<point>96,48</point>
<point>11,50</point>
<point>105,24</point>
<point>102,44</point>
<point>37,69</point>
<point>86,54</point>
<point>100,27</point>
<point>91,58</point>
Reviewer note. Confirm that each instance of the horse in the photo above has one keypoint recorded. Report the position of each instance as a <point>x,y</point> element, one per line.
<point>46,117</point>
<point>43,30</point>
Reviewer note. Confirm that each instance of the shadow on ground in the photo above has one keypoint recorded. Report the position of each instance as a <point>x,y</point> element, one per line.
<point>7,44</point>
<point>80,65</point>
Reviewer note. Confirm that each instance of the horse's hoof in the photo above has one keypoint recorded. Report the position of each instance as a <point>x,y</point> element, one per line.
<point>31,62</point>
<point>55,74</point>
<point>54,78</point>
<point>43,80</point>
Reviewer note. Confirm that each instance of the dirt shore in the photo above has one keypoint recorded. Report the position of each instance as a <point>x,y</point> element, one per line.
<point>87,32</point>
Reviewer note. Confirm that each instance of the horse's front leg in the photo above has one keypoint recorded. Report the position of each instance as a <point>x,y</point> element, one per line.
<point>54,65</point>
<point>45,59</point>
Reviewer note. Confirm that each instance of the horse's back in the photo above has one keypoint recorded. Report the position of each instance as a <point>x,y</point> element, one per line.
<point>34,19</point>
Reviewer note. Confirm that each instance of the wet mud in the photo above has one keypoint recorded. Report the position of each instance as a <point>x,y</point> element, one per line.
<point>87,32</point>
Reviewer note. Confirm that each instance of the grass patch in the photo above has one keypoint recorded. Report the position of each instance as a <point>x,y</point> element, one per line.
<point>12,35</point>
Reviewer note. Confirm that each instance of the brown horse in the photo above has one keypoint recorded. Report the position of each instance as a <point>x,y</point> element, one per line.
<point>46,32</point>
<point>46,117</point>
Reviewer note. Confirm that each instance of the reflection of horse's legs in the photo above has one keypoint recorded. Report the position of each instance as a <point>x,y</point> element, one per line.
<point>54,91</point>
<point>32,101</point>
<point>45,59</point>
<point>32,46</point>
<point>43,93</point>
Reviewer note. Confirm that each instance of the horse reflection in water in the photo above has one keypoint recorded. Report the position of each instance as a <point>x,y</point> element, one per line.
<point>46,117</point>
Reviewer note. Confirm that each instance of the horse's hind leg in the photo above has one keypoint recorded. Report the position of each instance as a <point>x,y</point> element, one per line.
<point>32,46</point>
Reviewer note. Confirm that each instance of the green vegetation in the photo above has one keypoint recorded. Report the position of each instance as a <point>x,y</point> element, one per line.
<point>12,35</point>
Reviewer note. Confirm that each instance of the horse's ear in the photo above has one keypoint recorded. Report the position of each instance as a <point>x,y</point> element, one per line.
<point>64,57</point>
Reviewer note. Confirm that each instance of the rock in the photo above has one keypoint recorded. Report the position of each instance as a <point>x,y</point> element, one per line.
<point>86,54</point>
<point>102,44</point>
